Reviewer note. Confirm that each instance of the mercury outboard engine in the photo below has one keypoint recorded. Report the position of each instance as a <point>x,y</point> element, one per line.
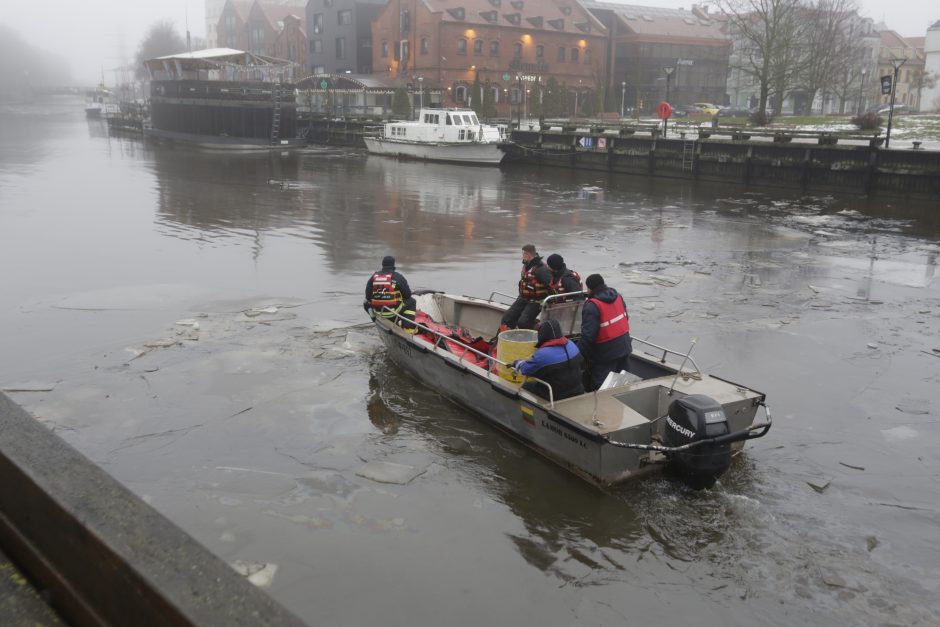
<point>692,418</point>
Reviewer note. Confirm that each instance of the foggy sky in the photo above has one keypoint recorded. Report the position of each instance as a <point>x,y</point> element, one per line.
<point>98,35</point>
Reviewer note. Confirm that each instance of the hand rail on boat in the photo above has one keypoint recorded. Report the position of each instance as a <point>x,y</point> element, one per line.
<point>746,433</point>
<point>489,358</point>
<point>494,293</point>
<point>669,351</point>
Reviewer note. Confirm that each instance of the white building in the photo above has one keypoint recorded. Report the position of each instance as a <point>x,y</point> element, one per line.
<point>930,96</point>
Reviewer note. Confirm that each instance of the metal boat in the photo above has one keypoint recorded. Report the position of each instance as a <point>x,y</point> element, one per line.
<point>454,135</point>
<point>662,413</point>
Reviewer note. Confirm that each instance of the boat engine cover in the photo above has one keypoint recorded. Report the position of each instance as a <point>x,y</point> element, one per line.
<point>692,418</point>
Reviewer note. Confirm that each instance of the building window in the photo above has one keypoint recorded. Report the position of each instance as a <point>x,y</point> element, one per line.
<point>461,46</point>
<point>316,46</point>
<point>405,50</point>
<point>515,95</point>
<point>495,95</point>
<point>327,3</point>
<point>317,22</point>
<point>478,47</point>
<point>561,54</point>
<point>494,48</point>
<point>424,45</point>
<point>318,69</point>
<point>460,94</point>
<point>587,55</point>
<point>344,18</point>
<point>574,55</point>
<point>384,49</point>
<point>340,47</point>
<point>540,52</point>
<point>230,23</point>
<point>517,50</point>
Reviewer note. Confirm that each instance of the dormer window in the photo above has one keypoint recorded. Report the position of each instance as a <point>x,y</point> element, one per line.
<point>535,21</point>
<point>584,27</point>
<point>496,3</point>
<point>513,18</point>
<point>457,13</point>
<point>489,16</point>
<point>566,10</point>
<point>517,4</point>
<point>557,24</point>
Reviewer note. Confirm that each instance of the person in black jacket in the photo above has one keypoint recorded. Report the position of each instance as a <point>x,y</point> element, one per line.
<point>564,279</point>
<point>388,294</point>
<point>605,331</point>
<point>557,361</point>
<point>533,288</point>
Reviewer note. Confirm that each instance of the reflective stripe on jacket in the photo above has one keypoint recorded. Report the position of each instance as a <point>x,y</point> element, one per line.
<point>614,320</point>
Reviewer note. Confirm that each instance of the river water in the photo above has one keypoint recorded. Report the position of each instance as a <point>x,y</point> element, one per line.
<point>192,322</point>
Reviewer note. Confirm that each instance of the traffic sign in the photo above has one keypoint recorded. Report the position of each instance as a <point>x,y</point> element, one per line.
<point>664,111</point>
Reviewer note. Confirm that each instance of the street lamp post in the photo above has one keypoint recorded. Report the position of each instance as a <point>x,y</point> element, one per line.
<point>623,95</point>
<point>896,64</point>
<point>420,92</point>
<point>668,71</point>
<point>861,85</point>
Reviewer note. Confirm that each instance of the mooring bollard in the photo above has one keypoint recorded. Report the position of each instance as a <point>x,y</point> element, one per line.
<point>916,145</point>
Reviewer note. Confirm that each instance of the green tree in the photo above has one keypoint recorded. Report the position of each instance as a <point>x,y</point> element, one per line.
<point>476,103</point>
<point>161,39</point>
<point>554,102</point>
<point>401,106</point>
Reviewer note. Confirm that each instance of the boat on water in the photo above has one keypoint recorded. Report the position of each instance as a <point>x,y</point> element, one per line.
<point>223,98</point>
<point>454,135</point>
<point>663,413</point>
<point>96,101</point>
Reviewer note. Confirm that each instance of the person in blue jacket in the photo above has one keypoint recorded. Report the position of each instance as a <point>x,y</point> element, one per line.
<point>557,361</point>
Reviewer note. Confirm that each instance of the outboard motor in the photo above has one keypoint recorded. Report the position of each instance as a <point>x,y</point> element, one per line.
<point>692,418</point>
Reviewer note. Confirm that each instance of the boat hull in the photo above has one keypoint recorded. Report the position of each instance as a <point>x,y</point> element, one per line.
<point>581,451</point>
<point>224,142</point>
<point>458,152</point>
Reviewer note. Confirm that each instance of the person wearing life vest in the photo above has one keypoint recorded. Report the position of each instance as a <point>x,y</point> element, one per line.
<point>564,279</point>
<point>533,288</point>
<point>605,331</point>
<point>557,361</point>
<point>388,294</point>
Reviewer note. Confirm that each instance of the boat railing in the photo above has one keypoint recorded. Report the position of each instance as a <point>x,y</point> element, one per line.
<point>495,293</point>
<point>669,351</point>
<point>489,358</point>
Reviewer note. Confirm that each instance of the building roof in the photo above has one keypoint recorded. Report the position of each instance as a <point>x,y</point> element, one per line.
<point>567,16</point>
<point>661,23</point>
<point>213,58</point>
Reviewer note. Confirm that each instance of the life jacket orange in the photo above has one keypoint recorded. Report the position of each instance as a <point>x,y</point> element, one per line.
<point>614,320</point>
<point>385,294</point>
<point>529,286</point>
<point>556,287</point>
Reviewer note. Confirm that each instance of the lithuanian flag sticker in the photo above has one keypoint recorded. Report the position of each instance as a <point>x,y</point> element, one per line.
<point>528,414</point>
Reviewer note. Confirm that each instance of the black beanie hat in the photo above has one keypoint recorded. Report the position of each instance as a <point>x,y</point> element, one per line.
<point>388,262</point>
<point>549,330</point>
<point>594,282</point>
<point>555,261</point>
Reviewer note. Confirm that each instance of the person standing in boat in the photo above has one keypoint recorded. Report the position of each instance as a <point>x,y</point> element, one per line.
<point>564,279</point>
<point>388,294</point>
<point>533,288</point>
<point>557,361</point>
<point>605,331</point>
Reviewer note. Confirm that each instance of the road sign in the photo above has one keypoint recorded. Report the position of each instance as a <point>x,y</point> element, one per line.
<point>664,111</point>
<point>886,84</point>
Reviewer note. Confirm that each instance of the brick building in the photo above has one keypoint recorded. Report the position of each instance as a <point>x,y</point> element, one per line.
<point>644,41</point>
<point>290,43</point>
<point>340,33</point>
<point>232,27</point>
<point>510,48</point>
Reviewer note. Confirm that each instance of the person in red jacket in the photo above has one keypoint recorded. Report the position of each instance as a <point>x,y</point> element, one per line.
<point>605,331</point>
<point>533,288</point>
<point>388,294</point>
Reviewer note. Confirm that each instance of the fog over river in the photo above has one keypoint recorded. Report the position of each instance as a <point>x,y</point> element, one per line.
<point>192,322</point>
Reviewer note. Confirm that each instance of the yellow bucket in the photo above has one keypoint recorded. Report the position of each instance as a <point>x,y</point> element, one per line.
<point>512,345</point>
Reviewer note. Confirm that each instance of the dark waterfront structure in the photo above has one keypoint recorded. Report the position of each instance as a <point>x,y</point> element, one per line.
<point>340,35</point>
<point>223,97</point>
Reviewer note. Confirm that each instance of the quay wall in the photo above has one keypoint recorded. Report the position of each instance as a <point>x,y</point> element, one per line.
<point>825,166</point>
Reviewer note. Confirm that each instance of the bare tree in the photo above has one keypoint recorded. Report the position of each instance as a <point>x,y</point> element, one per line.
<point>763,34</point>
<point>161,39</point>
<point>833,48</point>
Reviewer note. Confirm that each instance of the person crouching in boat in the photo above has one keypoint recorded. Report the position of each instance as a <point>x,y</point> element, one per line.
<point>388,294</point>
<point>533,288</point>
<point>557,361</point>
<point>564,279</point>
<point>605,331</point>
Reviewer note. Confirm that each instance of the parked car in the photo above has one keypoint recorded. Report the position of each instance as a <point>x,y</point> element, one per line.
<point>899,109</point>
<point>734,112</point>
<point>708,108</point>
<point>684,111</point>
